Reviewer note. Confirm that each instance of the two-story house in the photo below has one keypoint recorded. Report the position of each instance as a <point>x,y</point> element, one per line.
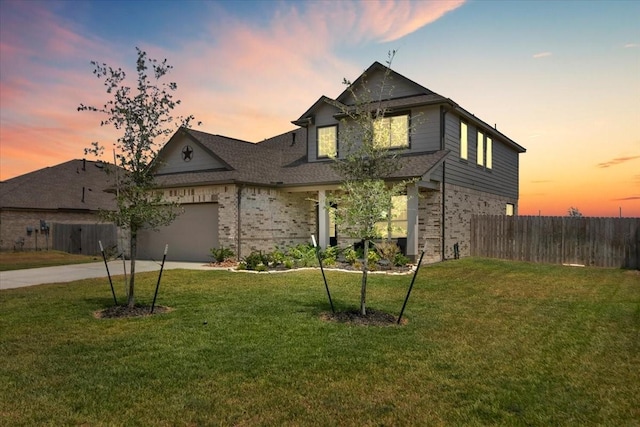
<point>256,196</point>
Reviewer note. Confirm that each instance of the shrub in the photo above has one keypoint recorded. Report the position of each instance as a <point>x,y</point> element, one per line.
<point>350,255</point>
<point>387,250</point>
<point>304,255</point>
<point>221,254</point>
<point>256,258</point>
<point>277,257</point>
<point>329,256</point>
<point>372,260</point>
<point>400,260</point>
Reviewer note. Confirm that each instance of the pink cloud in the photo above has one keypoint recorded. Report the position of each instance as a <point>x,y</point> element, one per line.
<point>237,73</point>
<point>241,66</point>
<point>391,20</point>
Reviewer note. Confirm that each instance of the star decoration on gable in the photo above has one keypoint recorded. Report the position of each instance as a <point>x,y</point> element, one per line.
<point>187,153</point>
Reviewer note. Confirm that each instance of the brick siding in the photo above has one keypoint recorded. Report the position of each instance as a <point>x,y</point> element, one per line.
<point>461,204</point>
<point>13,227</point>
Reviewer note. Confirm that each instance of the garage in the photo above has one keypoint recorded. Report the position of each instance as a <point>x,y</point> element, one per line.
<point>190,237</point>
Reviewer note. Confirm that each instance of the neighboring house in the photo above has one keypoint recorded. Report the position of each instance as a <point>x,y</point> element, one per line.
<point>34,206</point>
<point>248,197</point>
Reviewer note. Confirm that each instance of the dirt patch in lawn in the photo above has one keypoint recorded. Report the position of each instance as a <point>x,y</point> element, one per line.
<point>124,311</point>
<point>372,318</point>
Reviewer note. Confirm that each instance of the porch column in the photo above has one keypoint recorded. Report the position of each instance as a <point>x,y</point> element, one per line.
<point>412,221</point>
<point>323,220</point>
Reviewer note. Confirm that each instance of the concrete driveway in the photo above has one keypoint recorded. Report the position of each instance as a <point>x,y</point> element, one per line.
<point>68,273</point>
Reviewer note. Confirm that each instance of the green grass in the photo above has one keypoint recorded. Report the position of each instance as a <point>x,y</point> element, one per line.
<point>487,343</point>
<point>35,259</point>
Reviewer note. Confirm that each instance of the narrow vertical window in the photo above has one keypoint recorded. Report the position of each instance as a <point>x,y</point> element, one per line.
<point>510,209</point>
<point>327,141</point>
<point>489,150</point>
<point>480,149</point>
<point>463,140</point>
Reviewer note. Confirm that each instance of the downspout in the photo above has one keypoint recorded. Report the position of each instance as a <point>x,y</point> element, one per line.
<point>443,112</point>
<point>443,212</point>
<point>239,221</point>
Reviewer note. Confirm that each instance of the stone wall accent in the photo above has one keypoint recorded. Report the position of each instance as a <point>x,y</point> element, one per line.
<point>461,204</point>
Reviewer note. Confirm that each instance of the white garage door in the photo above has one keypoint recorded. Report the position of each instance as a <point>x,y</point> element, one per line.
<point>190,237</point>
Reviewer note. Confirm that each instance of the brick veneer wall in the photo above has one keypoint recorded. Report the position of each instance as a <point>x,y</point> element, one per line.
<point>13,226</point>
<point>272,217</point>
<point>429,221</point>
<point>269,217</point>
<point>460,204</point>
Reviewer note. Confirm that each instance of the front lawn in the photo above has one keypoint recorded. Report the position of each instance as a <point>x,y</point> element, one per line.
<point>35,259</point>
<point>487,342</point>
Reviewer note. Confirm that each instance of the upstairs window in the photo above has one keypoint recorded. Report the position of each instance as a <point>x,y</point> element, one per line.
<point>391,132</point>
<point>480,149</point>
<point>485,150</point>
<point>327,141</point>
<point>463,141</point>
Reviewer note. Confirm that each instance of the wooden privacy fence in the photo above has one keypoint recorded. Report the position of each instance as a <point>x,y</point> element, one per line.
<point>600,242</point>
<point>83,238</point>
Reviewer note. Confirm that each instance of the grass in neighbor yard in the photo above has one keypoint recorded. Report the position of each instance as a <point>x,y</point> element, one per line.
<point>487,342</point>
<point>35,259</point>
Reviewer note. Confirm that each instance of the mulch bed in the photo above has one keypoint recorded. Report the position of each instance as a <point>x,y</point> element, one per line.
<point>337,266</point>
<point>373,318</point>
<point>123,311</point>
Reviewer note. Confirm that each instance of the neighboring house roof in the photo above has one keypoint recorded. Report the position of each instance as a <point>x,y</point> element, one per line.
<point>74,185</point>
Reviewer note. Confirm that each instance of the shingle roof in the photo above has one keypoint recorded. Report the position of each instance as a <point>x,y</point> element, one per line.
<point>60,187</point>
<point>280,161</point>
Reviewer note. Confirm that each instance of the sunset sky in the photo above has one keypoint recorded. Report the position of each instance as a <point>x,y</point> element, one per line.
<point>561,79</point>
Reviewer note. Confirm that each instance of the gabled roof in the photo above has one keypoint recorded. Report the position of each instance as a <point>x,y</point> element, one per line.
<point>422,96</point>
<point>73,185</point>
<point>307,116</point>
<point>378,67</point>
<point>281,161</point>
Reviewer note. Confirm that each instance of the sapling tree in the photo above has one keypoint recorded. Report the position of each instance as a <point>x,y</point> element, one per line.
<point>574,212</point>
<point>366,162</point>
<point>143,116</point>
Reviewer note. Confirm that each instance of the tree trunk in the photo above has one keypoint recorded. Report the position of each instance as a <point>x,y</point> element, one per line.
<point>365,270</point>
<point>134,253</point>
